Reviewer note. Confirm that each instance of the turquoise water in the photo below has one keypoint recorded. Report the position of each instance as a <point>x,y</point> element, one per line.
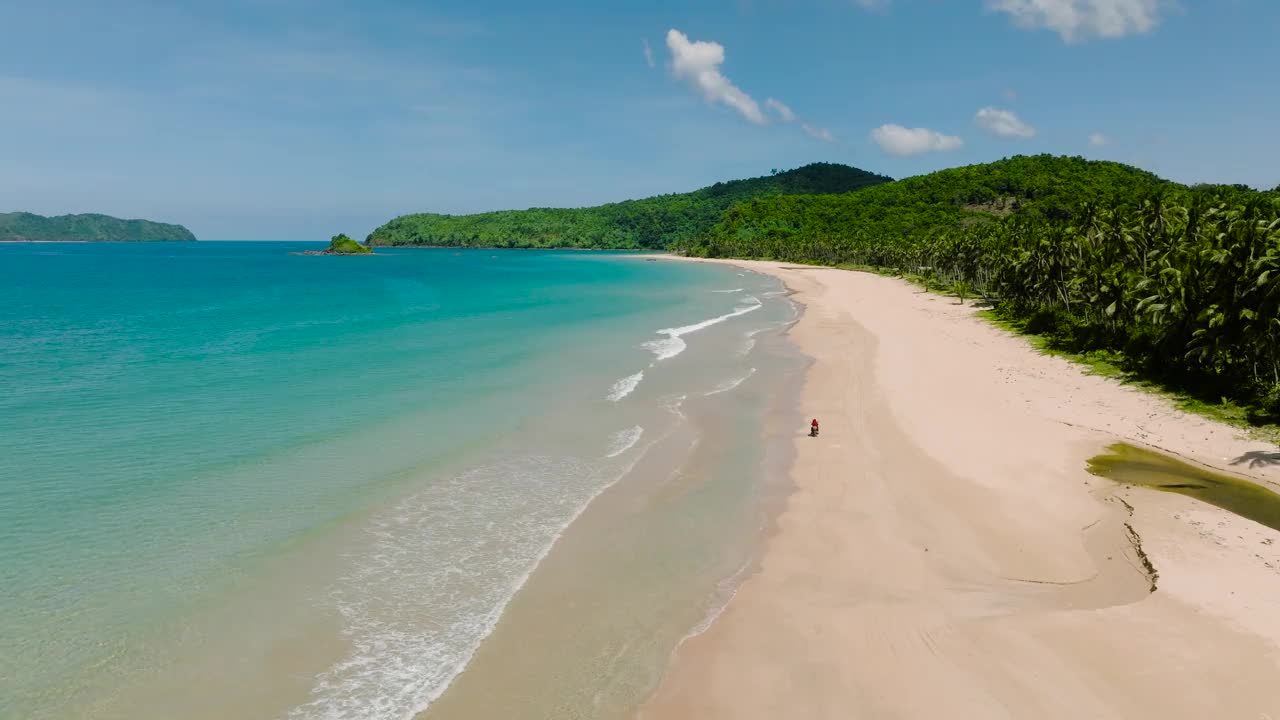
<point>326,476</point>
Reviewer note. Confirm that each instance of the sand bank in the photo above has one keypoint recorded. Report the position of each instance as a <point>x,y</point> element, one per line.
<point>945,553</point>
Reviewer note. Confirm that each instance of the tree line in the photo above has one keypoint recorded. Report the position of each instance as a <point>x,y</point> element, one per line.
<point>651,223</point>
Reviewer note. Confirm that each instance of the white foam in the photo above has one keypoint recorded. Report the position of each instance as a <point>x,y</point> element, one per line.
<point>750,337</point>
<point>624,440</point>
<point>673,344</point>
<point>730,384</point>
<point>625,386</point>
<point>726,591</point>
<point>674,405</point>
<point>734,290</point>
<point>442,567</point>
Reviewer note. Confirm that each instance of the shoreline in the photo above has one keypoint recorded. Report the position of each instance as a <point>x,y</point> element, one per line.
<point>660,548</point>
<point>944,529</point>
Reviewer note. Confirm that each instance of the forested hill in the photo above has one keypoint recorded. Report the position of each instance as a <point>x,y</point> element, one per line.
<point>652,223</point>
<point>1042,186</point>
<point>23,226</point>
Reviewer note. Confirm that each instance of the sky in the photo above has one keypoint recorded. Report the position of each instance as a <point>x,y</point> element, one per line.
<point>299,119</point>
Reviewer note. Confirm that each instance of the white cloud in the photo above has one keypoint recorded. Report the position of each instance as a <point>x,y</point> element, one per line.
<point>783,111</point>
<point>648,54</point>
<point>818,133</point>
<point>698,63</point>
<point>1098,139</point>
<point>898,140</point>
<point>787,115</point>
<point>1003,123</point>
<point>1078,20</point>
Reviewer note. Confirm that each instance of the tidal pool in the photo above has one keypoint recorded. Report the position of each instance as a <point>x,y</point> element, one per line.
<point>1132,465</point>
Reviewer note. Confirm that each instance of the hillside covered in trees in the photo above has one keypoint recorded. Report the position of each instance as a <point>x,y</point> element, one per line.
<point>1176,284</point>
<point>1042,187</point>
<point>28,227</point>
<point>652,223</point>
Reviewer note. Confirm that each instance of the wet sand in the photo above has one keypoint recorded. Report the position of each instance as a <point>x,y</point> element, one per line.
<point>945,553</point>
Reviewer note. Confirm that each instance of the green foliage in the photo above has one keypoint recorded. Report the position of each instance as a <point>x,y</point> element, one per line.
<point>24,226</point>
<point>344,245</point>
<point>798,226</point>
<point>651,223</point>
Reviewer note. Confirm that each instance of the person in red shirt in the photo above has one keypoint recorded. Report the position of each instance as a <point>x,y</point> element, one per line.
<point>813,428</point>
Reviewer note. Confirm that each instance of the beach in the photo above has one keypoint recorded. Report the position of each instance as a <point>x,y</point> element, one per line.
<point>944,552</point>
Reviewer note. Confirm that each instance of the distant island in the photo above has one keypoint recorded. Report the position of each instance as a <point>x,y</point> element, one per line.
<point>340,244</point>
<point>29,227</point>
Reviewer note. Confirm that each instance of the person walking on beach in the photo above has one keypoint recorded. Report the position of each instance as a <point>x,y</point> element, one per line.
<point>813,428</point>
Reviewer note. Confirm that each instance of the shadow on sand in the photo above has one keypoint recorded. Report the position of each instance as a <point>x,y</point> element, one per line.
<point>1258,458</point>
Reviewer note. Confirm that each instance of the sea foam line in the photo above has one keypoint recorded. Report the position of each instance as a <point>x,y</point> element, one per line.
<point>726,591</point>
<point>624,440</point>
<point>728,385</point>
<point>673,344</point>
<point>625,386</point>
<point>734,290</point>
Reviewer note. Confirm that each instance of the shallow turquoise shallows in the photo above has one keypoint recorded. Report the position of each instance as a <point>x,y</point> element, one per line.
<point>178,419</point>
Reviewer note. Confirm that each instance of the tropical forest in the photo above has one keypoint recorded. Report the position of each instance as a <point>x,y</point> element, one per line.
<point>652,223</point>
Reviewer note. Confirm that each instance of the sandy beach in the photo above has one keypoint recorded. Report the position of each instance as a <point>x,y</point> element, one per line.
<point>946,554</point>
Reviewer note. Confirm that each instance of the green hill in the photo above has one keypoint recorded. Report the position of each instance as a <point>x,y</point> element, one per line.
<point>23,226</point>
<point>1040,187</point>
<point>651,223</point>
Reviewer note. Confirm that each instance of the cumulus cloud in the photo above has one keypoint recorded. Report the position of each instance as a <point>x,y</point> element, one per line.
<point>818,133</point>
<point>1003,123</point>
<point>1098,139</point>
<point>698,63</point>
<point>648,54</point>
<point>779,107</point>
<point>898,140</point>
<point>1077,20</point>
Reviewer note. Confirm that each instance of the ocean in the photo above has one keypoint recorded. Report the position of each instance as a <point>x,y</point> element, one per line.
<point>238,482</point>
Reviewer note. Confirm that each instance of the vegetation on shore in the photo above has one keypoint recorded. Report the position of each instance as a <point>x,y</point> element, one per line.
<point>1174,284</point>
<point>652,223</point>
<point>28,227</point>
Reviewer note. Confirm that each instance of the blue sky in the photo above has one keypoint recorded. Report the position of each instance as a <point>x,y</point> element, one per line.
<point>285,119</point>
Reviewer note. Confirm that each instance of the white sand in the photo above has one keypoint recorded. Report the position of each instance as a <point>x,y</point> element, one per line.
<point>946,555</point>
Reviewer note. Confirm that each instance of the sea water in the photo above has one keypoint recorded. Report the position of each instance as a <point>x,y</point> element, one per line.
<point>238,482</point>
